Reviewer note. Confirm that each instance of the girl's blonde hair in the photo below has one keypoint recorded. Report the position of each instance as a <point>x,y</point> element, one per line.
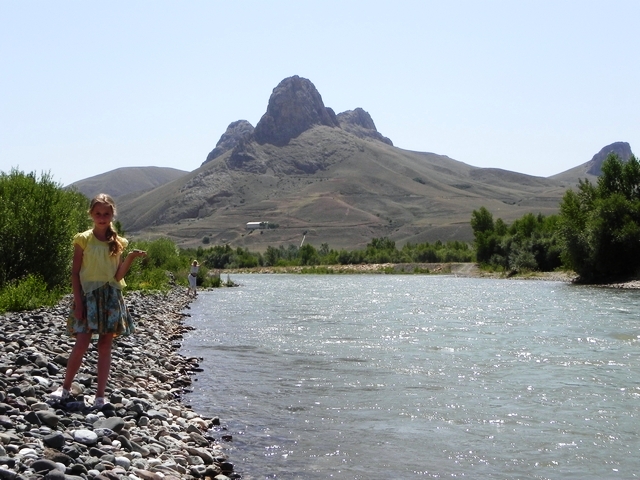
<point>115,245</point>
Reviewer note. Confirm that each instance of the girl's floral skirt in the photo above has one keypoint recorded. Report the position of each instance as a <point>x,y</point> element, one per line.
<point>106,313</point>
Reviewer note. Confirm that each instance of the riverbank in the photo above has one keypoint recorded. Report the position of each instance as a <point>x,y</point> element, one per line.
<point>144,432</point>
<point>457,269</point>
<point>451,268</point>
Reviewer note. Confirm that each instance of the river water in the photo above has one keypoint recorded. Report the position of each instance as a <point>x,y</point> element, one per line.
<point>418,376</point>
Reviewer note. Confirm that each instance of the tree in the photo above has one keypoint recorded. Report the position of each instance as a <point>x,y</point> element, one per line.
<point>600,224</point>
<point>486,242</point>
<point>38,219</point>
<point>308,255</point>
<point>482,221</point>
<point>530,243</point>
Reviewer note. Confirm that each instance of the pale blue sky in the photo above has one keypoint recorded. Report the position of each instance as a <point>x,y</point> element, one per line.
<point>536,87</point>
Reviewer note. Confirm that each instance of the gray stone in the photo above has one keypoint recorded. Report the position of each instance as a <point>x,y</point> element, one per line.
<point>105,432</point>
<point>32,418</point>
<point>136,447</point>
<point>147,475</point>
<point>143,421</point>
<point>55,440</point>
<point>199,439</point>
<point>55,475</point>
<point>43,465</point>
<point>47,417</point>
<point>195,460</point>
<point>85,437</point>
<point>39,406</point>
<point>6,474</point>
<point>59,457</point>
<point>123,462</point>
<point>114,423</point>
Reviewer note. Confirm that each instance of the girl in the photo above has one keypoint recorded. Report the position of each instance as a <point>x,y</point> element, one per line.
<point>193,276</point>
<point>97,277</point>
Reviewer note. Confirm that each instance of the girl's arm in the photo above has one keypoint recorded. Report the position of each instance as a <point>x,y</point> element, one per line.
<point>125,265</point>
<point>78,294</point>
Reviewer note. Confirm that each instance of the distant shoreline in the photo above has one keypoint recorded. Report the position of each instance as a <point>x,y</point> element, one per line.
<point>468,270</point>
<point>451,268</point>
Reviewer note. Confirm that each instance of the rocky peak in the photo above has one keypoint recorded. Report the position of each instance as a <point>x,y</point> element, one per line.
<point>236,132</point>
<point>295,105</point>
<point>359,123</point>
<point>621,149</point>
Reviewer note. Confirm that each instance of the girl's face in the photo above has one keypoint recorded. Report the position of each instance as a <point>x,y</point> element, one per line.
<point>102,214</point>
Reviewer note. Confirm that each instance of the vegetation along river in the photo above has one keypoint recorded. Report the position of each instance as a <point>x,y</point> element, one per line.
<point>418,376</point>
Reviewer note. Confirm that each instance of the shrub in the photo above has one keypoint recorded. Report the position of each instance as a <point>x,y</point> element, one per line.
<point>38,220</point>
<point>600,224</point>
<point>27,294</point>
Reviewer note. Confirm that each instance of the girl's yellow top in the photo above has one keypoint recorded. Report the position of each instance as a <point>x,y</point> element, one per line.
<point>98,267</point>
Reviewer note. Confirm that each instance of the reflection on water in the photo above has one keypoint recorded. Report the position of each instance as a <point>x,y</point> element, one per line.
<point>420,377</point>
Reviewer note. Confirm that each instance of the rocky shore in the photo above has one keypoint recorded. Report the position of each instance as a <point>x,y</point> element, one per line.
<point>144,432</point>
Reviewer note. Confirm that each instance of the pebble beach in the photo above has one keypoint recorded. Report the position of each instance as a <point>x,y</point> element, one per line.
<point>143,432</point>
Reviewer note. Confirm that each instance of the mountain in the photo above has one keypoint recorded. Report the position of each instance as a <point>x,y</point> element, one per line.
<point>303,168</point>
<point>593,168</point>
<point>127,180</point>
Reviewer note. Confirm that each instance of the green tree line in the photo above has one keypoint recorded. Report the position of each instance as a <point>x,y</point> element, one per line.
<point>379,250</point>
<point>596,234</point>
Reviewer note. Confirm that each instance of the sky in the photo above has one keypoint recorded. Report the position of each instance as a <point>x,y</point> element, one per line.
<point>531,86</point>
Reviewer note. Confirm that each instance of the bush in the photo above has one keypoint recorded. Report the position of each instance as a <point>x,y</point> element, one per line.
<point>38,220</point>
<point>28,293</point>
<point>531,243</point>
<point>600,224</point>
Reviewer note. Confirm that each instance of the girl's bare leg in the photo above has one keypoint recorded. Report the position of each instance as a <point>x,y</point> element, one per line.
<point>75,358</point>
<point>104,362</point>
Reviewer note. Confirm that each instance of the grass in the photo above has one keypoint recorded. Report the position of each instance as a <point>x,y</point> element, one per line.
<point>28,293</point>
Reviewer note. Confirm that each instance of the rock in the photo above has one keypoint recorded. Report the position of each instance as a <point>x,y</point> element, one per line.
<point>359,123</point>
<point>136,447</point>
<point>115,424</point>
<point>147,475</point>
<point>55,440</point>
<point>40,406</point>
<point>43,465</point>
<point>85,437</point>
<point>55,475</point>
<point>236,132</point>
<point>47,417</point>
<point>295,105</point>
<point>108,475</point>
<point>32,418</point>
<point>6,474</point>
<point>621,149</point>
<point>123,462</point>
<point>59,457</point>
<point>199,439</point>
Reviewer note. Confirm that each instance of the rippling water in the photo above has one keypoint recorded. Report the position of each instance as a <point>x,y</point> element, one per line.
<point>375,377</point>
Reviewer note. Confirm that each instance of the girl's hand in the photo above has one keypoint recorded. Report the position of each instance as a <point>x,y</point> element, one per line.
<point>138,253</point>
<point>78,311</point>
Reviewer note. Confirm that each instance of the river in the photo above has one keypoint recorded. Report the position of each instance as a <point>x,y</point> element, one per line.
<point>420,376</point>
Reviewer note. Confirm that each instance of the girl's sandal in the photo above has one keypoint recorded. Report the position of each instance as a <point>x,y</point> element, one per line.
<point>60,394</point>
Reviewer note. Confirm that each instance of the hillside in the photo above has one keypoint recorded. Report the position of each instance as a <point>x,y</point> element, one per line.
<point>126,180</point>
<point>341,189</point>
<point>305,169</point>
